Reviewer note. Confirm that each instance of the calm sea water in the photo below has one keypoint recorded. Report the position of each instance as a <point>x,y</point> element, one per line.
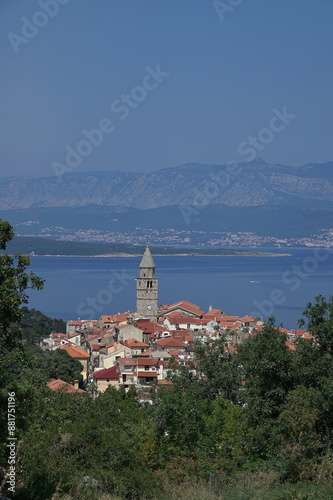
<point>279,286</point>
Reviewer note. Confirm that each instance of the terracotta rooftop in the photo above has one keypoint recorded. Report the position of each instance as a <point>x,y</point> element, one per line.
<point>248,319</point>
<point>114,318</point>
<point>146,361</point>
<point>74,351</point>
<point>107,373</point>
<point>171,342</point>
<point>186,306</point>
<point>127,361</point>
<point>60,385</point>
<point>135,343</point>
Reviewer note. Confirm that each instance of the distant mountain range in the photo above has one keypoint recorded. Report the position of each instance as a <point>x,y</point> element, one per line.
<point>250,184</point>
<point>269,200</point>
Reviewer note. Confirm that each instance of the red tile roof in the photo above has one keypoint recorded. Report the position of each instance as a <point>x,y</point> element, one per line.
<point>75,334</point>
<point>299,332</point>
<point>170,342</point>
<point>60,385</point>
<point>127,361</point>
<point>116,318</point>
<point>149,326</point>
<point>175,314</point>
<point>74,351</point>
<point>259,328</point>
<point>147,352</point>
<point>186,306</point>
<point>213,312</point>
<point>135,343</point>
<point>230,318</point>
<point>248,319</point>
<point>107,373</point>
<point>146,361</point>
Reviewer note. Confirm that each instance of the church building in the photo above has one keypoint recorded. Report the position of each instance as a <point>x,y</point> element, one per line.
<point>147,288</point>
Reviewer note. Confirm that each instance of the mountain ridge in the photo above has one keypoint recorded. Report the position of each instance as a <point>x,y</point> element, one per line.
<point>249,184</point>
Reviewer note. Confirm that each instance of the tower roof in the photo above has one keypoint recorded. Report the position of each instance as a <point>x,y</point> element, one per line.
<point>147,260</point>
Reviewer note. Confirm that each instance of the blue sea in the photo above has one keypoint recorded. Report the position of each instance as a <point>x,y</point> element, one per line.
<point>87,287</point>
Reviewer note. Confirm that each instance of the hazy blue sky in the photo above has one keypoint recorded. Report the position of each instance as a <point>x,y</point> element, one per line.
<point>225,78</point>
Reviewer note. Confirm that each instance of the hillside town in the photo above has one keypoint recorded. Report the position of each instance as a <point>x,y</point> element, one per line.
<point>135,348</point>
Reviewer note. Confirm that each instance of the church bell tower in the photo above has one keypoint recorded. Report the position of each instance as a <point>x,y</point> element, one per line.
<point>147,288</point>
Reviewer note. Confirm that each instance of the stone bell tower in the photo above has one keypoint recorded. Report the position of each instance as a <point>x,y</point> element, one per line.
<point>147,288</point>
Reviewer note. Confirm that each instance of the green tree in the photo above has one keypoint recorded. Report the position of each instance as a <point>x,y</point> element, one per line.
<point>313,362</point>
<point>57,364</point>
<point>223,435</point>
<point>111,439</point>
<point>265,363</point>
<point>14,283</point>
<point>217,370</point>
<point>300,445</point>
<point>35,325</point>
<point>320,322</point>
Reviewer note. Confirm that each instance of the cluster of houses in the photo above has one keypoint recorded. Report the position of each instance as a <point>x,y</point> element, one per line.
<point>134,349</point>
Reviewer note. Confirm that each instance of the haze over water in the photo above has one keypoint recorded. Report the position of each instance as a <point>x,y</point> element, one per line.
<point>80,287</point>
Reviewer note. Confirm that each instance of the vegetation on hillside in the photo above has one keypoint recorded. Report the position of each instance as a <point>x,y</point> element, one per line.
<point>35,325</point>
<point>256,424</point>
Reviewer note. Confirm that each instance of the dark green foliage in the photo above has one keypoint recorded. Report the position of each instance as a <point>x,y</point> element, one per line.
<point>254,424</point>
<point>36,325</point>
<point>105,439</point>
<point>299,441</point>
<point>265,363</point>
<point>320,322</point>
<point>57,364</point>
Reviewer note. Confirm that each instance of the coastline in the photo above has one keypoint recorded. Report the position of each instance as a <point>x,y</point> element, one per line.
<point>118,255</point>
